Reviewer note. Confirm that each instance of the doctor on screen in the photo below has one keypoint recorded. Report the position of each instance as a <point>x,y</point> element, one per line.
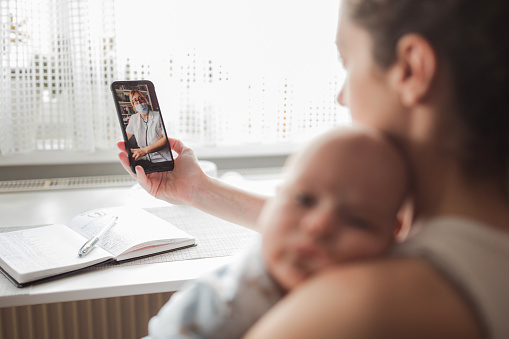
<point>147,128</point>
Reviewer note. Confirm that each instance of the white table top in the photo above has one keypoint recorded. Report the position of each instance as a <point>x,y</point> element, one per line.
<point>116,281</point>
<point>48,207</point>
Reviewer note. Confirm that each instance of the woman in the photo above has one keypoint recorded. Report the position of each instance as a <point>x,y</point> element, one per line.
<point>432,75</point>
<point>147,128</point>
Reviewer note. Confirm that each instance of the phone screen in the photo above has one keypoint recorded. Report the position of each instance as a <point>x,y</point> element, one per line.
<point>142,125</point>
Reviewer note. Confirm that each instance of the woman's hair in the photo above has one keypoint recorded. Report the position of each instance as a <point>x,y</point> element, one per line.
<point>132,93</point>
<point>471,37</point>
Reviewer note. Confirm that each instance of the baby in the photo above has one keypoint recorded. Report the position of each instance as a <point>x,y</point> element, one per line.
<point>339,203</point>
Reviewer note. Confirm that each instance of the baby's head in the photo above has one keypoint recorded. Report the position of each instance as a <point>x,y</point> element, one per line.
<point>339,203</point>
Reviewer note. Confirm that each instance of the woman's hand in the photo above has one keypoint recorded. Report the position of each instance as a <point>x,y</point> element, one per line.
<point>175,187</point>
<point>187,184</point>
<point>139,152</point>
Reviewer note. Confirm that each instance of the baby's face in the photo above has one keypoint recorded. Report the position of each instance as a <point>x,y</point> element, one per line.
<point>332,209</point>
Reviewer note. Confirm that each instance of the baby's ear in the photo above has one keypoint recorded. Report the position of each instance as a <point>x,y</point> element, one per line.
<point>400,230</point>
<point>403,223</point>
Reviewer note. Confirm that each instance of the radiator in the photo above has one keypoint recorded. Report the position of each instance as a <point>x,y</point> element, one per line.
<point>110,318</point>
<point>66,183</point>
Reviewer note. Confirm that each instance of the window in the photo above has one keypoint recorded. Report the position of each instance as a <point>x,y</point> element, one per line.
<point>226,71</point>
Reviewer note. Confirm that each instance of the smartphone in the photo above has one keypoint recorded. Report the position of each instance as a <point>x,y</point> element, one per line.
<point>142,125</point>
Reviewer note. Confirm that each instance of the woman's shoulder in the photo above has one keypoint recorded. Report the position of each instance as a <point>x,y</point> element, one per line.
<point>135,117</point>
<point>155,116</point>
<point>472,256</point>
<point>407,297</point>
<point>395,297</point>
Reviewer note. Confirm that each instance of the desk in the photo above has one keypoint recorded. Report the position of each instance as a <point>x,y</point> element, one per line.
<point>36,208</point>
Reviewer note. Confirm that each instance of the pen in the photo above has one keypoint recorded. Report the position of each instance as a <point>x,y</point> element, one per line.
<point>87,247</point>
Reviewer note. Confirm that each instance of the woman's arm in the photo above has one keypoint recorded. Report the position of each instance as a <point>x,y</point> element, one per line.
<point>385,299</point>
<point>187,184</point>
<point>154,147</point>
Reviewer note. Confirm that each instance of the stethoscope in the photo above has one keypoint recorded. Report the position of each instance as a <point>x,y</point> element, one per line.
<point>146,134</point>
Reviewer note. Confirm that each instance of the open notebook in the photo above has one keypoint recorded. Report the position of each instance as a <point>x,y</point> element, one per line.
<point>36,254</point>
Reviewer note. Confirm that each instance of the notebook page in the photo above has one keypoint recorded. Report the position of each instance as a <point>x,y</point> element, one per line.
<point>45,251</point>
<point>134,226</point>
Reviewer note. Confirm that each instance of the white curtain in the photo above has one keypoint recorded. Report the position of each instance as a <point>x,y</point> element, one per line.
<point>58,58</point>
<point>226,71</point>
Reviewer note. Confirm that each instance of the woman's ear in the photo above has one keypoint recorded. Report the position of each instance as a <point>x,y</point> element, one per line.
<point>414,69</point>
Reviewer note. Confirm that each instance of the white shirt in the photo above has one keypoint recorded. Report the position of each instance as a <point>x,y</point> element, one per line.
<point>147,132</point>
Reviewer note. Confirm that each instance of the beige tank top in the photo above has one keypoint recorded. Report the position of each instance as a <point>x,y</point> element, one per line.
<point>475,258</point>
